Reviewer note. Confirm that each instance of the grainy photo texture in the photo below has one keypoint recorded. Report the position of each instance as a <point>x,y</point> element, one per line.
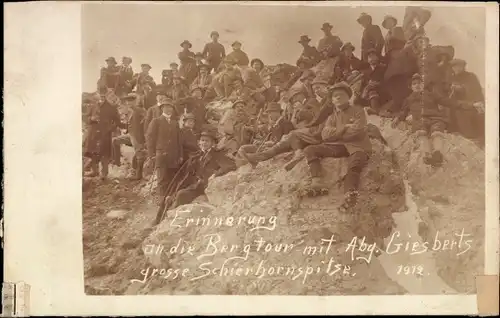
<point>282,150</point>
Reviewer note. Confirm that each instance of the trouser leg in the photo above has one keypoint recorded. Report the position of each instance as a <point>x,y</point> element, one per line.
<point>116,151</point>
<point>356,162</point>
<point>104,166</point>
<point>314,153</point>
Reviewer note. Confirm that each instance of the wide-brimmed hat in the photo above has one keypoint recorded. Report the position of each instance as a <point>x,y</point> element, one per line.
<point>186,42</point>
<point>273,107</point>
<point>347,45</point>
<point>307,74</point>
<point>214,33</point>
<point>173,63</point>
<point>146,65</point>
<point>364,16</point>
<point>458,62</point>
<point>319,80</point>
<point>448,51</point>
<point>188,116</point>
<point>416,77</point>
<point>304,39</point>
<point>387,18</point>
<point>258,61</point>
<point>127,58</point>
<point>111,59</point>
<point>326,26</point>
<point>342,86</point>
<point>236,43</point>
<point>198,54</point>
<point>209,131</point>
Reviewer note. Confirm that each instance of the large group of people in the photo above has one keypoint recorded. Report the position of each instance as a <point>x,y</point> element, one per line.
<point>318,111</point>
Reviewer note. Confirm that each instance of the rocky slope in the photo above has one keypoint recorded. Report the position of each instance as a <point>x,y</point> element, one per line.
<point>448,200</point>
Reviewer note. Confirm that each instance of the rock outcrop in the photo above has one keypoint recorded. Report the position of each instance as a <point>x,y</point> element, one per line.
<point>269,192</point>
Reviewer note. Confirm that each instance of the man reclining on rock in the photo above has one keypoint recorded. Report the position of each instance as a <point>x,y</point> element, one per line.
<point>192,178</point>
<point>428,120</point>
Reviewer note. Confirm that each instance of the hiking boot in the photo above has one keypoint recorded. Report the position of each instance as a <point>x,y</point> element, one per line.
<point>350,200</point>
<point>437,159</point>
<point>297,157</point>
<point>428,159</point>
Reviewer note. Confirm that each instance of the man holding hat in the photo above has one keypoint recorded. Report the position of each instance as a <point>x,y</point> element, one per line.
<point>193,177</point>
<point>310,54</point>
<point>469,119</point>
<point>134,135</point>
<point>372,36</point>
<point>240,57</point>
<point>344,134</point>
<point>214,52</point>
<point>164,144</point>
<point>188,69</point>
<point>330,44</point>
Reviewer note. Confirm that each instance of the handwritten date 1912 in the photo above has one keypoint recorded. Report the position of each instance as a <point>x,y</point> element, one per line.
<point>411,270</point>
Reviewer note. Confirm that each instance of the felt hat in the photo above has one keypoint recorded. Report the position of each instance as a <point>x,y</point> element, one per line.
<point>188,116</point>
<point>342,86</point>
<point>348,45</point>
<point>186,42</point>
<point>236,43</point>
<point>320,80</point>
<point>126,58</point>
<point>239,101</point>
<point>111,59</point>
<point>326,26</point>
<point>214,33</point>
<point>295,92</point>
<point>194,88</point>
<point>387,18</point>
<point>258,61</point>
<point>304,39</point>
<point>416,77</point>
<point>205,66</point>
<point>146,65</point>
<point>209,131</point>
<point>308,74</point>
<point>273,107</point>
<point>198,54</point>
<point>371,51</point>
<point>173,63</point>
<point>364,17</point>
<point>458,62</point>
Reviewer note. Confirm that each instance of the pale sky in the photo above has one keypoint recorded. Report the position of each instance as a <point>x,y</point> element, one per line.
<point>152,33</point>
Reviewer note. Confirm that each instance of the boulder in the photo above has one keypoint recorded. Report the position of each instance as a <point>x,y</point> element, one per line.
<point>292,227</point>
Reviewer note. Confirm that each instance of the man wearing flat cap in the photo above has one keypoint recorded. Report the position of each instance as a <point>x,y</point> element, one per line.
<point>372,37</point>
<point>193,177</point>
<point>134,134</point>
<point>164,145</point>
<point>395,37</point>
<point>329,45</point>
<point>344,134</point>
<point>468,120</point>
<point>309,53</point>
<point>214,52</point>
<point>240,57</point>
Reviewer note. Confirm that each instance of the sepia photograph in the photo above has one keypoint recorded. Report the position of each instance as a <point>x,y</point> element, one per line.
<point>282,150</point>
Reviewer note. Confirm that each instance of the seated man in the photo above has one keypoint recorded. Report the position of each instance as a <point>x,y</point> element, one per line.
<point>428,120</point>
<point>204,78</point>
<point>343,135</point>
<point>192,179</point>
<point>195,105</point>
<point>223,80</point>
<point>233,127</point>
<point>373,76</point>
<point>188,136</point>
<point>277,127</point>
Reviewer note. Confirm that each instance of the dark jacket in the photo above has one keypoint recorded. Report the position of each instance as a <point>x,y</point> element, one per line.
<point>468,89</point>
<point>164,142</point>
<point>425,105</point>
<point>394,40</point>
<point>152,113</point>
<point>240,57</point>
<point>311,55</point>
<point>214,53</point>
<point>372,39</point>
<point>189,142</point>
<point>136,124</point>
<point>331,44</point>
<point>102,121</point>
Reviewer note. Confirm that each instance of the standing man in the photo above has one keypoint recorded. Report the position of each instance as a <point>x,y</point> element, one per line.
<point>309,53</point>
<point>110,74</point>
<point>165,146</point>
<point>143,78</point>
<point>330,44</point>
<point>126,75</point>
<point>372,36</point>
<point>214,52</point>
<point>395,37</point>
<point>240,57</point>
<point>134,135</point>
<point>343,135</point>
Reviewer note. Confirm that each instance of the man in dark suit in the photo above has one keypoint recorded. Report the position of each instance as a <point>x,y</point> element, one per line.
<point>372,37</point>
<point>164,144</point>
